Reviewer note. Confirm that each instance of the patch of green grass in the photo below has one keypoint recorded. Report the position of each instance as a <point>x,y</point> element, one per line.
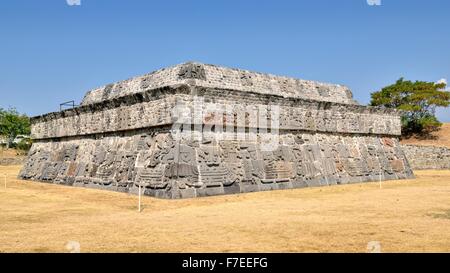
<point>441,215</point>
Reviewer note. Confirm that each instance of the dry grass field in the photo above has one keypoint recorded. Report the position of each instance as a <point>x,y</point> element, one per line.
<point>8,152</point>
<point>404,216</point>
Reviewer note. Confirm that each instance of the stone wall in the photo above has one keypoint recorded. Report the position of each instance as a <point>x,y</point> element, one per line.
<point>226,78</point>
<point>427,157</point>
<point>155,108</point>
<point>126,113</point>
<point>170,168</point>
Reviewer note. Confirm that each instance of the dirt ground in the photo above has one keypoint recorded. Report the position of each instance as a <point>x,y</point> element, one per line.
<point>8,153</point>
<point>438,138</point>
<point>401,216</point>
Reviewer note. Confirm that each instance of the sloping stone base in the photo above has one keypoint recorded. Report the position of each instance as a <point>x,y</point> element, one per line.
<point>169,168</point>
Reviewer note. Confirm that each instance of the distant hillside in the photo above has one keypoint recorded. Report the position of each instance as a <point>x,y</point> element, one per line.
<point>439,138</point>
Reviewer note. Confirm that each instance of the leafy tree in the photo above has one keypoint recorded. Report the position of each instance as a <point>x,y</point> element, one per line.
<point>418,100</point>
<point>12,123</point>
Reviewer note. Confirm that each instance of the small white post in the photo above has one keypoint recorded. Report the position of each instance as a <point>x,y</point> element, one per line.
<point>380,179</point>
<point>139,209</point>
<point>137,167</point>
<point>381,169</point>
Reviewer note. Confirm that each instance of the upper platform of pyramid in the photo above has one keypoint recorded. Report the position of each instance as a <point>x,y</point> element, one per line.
<point>212,76</point>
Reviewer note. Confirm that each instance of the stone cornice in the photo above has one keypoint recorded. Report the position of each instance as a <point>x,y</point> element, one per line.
<point>186,89</point>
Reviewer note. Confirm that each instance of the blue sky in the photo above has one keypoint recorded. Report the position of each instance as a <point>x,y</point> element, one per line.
<point>51,52</point>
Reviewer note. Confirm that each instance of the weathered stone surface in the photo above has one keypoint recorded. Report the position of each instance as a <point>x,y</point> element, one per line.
<point>427,157</point>
<point>155,108</point>
<point>129,134</point>
<point>212,76</point>
<point>213,168</point>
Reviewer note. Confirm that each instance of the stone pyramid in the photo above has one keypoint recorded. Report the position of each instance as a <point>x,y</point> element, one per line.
<point>198,130</point>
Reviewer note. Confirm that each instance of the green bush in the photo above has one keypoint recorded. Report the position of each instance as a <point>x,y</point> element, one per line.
<point>12,123</point>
